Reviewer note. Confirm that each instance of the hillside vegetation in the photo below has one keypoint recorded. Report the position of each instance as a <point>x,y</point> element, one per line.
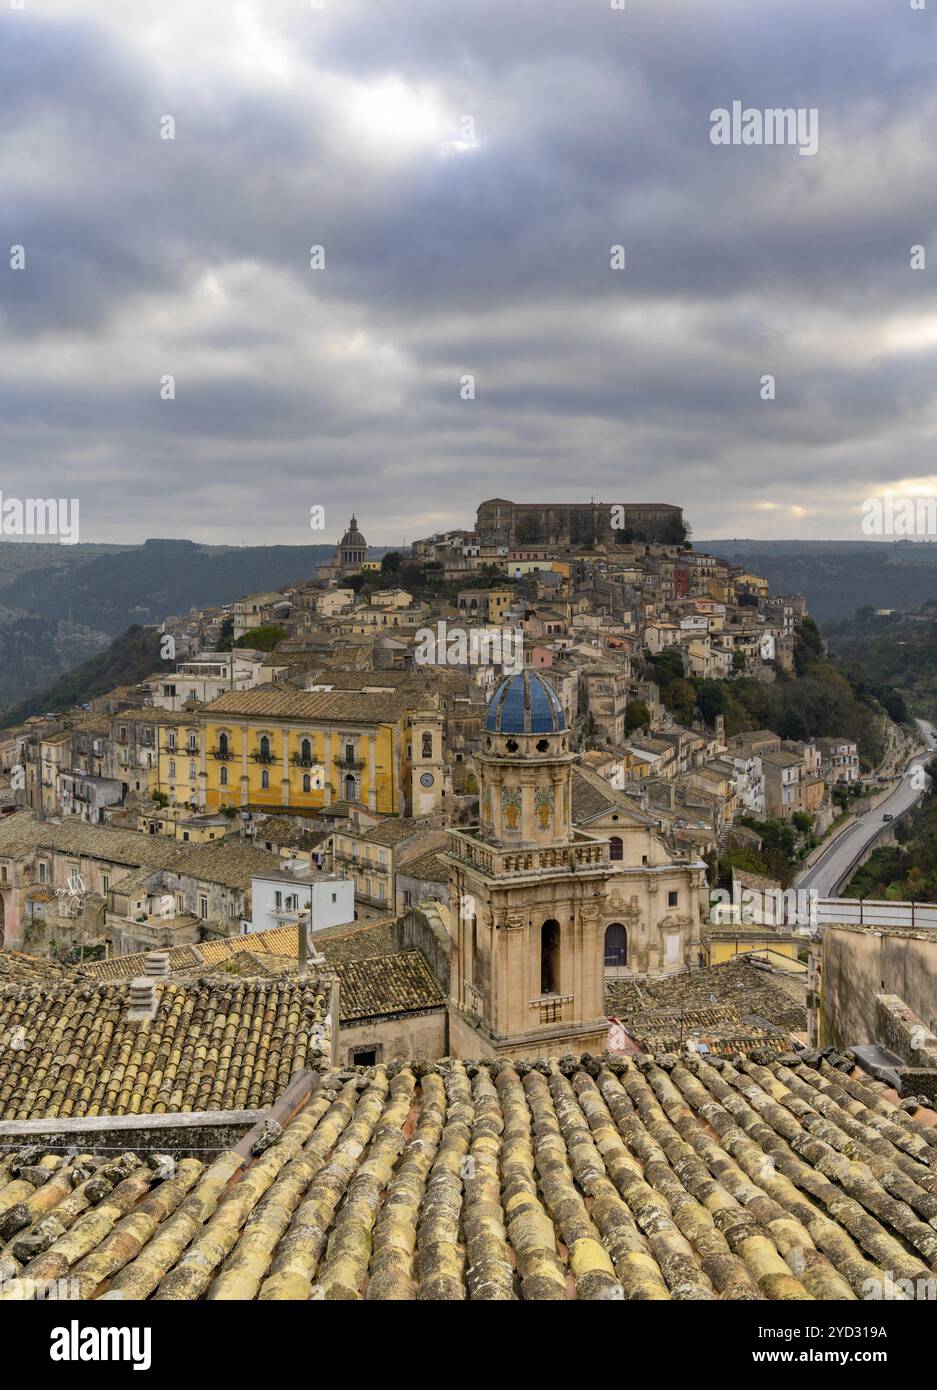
<point>819,700</point>
<point>62,604</point>
<point>127,660</point>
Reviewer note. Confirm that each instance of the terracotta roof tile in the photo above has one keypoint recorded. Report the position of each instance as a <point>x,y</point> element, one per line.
<point>656,1179</point>
<point>212,1045</point>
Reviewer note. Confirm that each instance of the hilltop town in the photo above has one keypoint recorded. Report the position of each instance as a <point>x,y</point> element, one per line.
<point>440,832</point>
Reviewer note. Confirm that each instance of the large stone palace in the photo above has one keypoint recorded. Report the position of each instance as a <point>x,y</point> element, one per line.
<point>500,522</point>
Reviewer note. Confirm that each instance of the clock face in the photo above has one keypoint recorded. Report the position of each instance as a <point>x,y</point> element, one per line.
<point>427,779</point>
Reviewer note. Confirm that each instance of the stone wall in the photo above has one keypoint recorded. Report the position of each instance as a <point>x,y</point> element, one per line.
<point>858,964</point>
<point>903,1032</point>
<point>407,1037</point>
<point>425,932</point>
<point>199,1134</point>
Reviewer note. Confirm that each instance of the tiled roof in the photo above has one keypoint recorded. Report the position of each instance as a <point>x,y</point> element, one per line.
<point>399,983</point>
<point>282,832</point>
<point>153,714</point>
<point>738,983</point>
<point>375,977</point>
<point>429,867</point>
<point>16,967</point>
<point>720,1028</point>
<point>211,1045</point>
<point>230,861</point>
<point>351,941</point>
<point>499,1181</point>
<point>284,701</point>
<point>593,796</point>
<point>392,830</point>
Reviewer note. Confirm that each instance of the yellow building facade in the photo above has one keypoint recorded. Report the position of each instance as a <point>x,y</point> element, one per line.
<point>780,950</point>
<point>283,748</point>
<point>179,761</point>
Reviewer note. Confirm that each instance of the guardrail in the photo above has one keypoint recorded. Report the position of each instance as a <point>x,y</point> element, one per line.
<point>876,912</point>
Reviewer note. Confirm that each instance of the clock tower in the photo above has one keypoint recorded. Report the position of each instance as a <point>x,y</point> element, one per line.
<point>427,770</point>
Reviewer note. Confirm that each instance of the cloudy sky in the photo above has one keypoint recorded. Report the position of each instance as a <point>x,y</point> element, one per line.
<point>467,168</point>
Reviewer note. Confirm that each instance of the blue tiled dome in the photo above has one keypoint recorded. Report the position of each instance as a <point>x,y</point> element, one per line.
<point>524,704</point>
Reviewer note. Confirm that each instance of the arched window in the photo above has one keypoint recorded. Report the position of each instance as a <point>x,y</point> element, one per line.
<point>550,957</point>
<point>351,790</point>
<point>616,944</point>
<point>264,746</point>
<point>192,771</point>
<point>427,745</point>
<point>616,849</point>
<point>305,752</point>
<point>224,777</point>
<point>265,779</point>
<point>223,744</point>
<point>307,782</point>
<point>172,767</point>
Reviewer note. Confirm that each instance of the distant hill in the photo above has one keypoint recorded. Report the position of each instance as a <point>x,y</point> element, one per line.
<point>61,604</point>
<point>35,650</point>
<point>837,577</point>
<point>899,650</point>
<point>147,583</point>
<point>127,660</point>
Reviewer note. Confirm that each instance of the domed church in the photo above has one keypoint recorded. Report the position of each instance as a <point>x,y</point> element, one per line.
<point>348,557</point>
<point>352,548</point>
<point>561,875</point>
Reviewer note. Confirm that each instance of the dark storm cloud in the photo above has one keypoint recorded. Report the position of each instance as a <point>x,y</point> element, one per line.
<point>190,258</point>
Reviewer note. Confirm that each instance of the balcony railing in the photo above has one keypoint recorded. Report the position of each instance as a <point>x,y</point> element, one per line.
<point>352,764</point>
<point>260,757</point>
<point>553,1008</point>
<point>223,755</point>
<point>497,861</point>
<point>298,760</point>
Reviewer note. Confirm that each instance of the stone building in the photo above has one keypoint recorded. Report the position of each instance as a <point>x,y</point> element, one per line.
<point>503,523</point>
<point>538,903</point>
<point>350,554</point>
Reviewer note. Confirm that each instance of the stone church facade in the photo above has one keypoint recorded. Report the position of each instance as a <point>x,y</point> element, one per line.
<point>539,903</point>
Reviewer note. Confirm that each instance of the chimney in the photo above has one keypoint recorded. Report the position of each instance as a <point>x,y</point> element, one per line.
<point>156,965</point>
<point>142,1006</point>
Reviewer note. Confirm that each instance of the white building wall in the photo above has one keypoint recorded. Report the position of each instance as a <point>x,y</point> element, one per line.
<point>332,901</point>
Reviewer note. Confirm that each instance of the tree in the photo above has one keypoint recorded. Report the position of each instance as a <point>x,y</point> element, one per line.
<point>262,639</point>
<point>637,716</point>
<point>795,725</point>
<point>390,563</point>
<point>680,699</point>
<point>667,666</point>
<point>808,646</point>
<point>225,635</point>
<point>711,698</point>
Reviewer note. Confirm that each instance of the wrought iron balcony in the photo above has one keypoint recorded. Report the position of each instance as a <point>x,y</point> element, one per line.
<point>223,755</point>
<point>351,764</point>
<point>260,757</point>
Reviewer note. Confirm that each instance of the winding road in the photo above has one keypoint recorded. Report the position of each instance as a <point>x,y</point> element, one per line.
<point>825,873</point>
